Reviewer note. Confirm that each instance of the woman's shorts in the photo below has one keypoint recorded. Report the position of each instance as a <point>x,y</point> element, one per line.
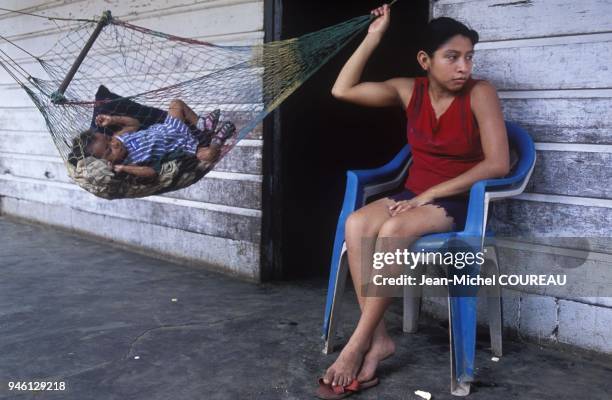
<point>454,206</point>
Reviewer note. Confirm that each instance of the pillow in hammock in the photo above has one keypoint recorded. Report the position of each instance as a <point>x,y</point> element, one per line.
<point>95,176</point>
<point>147,116</point>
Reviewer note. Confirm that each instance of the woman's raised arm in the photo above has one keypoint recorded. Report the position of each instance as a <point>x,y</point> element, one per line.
<point>372,94</point>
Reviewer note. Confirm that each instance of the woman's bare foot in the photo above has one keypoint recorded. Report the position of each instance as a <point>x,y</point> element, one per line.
<point>382,347</point>
<point>345,368</point>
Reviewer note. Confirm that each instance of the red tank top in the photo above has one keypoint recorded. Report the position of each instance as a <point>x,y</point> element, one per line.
<point>445,148</point>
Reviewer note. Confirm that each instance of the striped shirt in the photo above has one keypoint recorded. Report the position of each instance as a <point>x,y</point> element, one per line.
<point>149,146</point>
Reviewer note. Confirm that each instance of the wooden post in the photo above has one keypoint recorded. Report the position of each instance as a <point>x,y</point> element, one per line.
<point>58,96</point>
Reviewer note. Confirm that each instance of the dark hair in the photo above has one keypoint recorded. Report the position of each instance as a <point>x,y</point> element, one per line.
<point>440,30</point>
<point>80,146</point>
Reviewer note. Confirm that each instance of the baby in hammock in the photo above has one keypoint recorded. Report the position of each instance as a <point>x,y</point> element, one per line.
<point>141,152</point>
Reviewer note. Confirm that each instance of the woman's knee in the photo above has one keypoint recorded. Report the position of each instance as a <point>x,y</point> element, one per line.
<point>359,226</point>
<point>355,224</point>
<point>399,228</point>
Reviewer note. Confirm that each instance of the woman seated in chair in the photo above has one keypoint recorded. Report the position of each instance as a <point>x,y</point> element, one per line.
<point>457,135</point>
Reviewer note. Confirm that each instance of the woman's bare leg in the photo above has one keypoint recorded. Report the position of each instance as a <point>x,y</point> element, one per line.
<point>360,234</point>
<point>361,230</point>
<point>405,226</point>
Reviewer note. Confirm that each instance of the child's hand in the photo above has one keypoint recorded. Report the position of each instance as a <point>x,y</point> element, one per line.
<point>103,120</point>
<point>118,168</point>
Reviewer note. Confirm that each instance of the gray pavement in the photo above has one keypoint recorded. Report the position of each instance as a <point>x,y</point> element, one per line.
<point>103,320</point>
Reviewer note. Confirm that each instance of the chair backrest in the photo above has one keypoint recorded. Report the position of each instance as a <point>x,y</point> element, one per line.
<point>521,143</point>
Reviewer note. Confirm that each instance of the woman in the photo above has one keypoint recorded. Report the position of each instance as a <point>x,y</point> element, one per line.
<point>457,136</point>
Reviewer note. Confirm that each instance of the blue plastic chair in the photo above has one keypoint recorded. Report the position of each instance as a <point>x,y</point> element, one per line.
<point>363,184</point>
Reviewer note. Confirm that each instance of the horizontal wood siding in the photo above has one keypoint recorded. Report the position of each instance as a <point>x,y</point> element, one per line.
<point>550,61</point>
<point>215,222</point>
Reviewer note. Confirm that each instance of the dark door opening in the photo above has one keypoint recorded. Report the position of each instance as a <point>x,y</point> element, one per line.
<point>319,138</point>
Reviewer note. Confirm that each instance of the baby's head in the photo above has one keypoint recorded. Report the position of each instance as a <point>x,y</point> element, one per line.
<point>81,146</point>
<point>105,147</point>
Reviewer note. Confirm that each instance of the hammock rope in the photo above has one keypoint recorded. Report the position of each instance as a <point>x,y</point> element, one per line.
<point>151,68</point>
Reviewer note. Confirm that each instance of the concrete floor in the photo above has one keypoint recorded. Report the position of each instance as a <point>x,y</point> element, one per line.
<point>102,320</point>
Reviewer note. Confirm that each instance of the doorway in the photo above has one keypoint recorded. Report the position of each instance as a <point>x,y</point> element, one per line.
<point>313,139</point>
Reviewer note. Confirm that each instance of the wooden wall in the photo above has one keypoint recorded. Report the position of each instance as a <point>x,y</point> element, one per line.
<point>550,61</point>
<point>216,221</point>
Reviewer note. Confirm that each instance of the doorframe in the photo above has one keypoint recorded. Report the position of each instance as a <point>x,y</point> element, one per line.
<point>271,217</point>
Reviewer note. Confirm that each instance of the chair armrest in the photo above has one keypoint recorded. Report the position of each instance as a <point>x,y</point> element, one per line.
<point>377,175</point>
<point>513,185</point>
<point>363,183</point>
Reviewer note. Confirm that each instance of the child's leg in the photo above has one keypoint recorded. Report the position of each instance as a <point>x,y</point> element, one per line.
<point>211,152</point>
<point>208,154</point>
<point>178,109</point>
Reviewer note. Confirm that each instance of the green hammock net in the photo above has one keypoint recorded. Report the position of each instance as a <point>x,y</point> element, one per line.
<point>148,69</point>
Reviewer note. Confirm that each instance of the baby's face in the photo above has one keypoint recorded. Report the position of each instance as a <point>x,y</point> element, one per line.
<point>108,148</point>
<point>99,145</point>
<point>116,152</point>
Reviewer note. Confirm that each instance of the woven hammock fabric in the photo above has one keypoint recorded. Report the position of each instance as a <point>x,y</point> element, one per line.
<point>152,68</point>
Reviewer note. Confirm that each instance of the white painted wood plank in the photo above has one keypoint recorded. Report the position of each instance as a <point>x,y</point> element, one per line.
<point>584,174</point>
<point>20,119</point>
<point>130,11</point>
<point>442,2</point>
<point>196,204</point>
<point>227,255</point>
<point>32,6</point>
<point>132,82</point>
<point>12,95</point>
<point>574,147</point>
<point>573,66</point>
<point>556,246</point>
<point>24,142</point>
<point>571,120</point>
<point>556,94</point>
<point>157,211</point>
<point>231,19</point>
<point>585,277</point>
<point>519,218</point>
<point>508,19</point>
<point>57,160</point>
<point>231,39</point>
<point>42,168</point>
<point>545,41</point>
<point>572,200</point>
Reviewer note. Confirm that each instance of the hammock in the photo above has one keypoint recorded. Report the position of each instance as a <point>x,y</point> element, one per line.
<point>146,69</point>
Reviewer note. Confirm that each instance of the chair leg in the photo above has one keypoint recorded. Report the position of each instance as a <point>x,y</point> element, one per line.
<point>457,388</point>
<point>494,303</point>
<point>412,308</point>
<point>335,312</point>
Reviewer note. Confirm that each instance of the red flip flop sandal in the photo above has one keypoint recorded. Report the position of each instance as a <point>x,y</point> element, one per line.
<point>329,392</point>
